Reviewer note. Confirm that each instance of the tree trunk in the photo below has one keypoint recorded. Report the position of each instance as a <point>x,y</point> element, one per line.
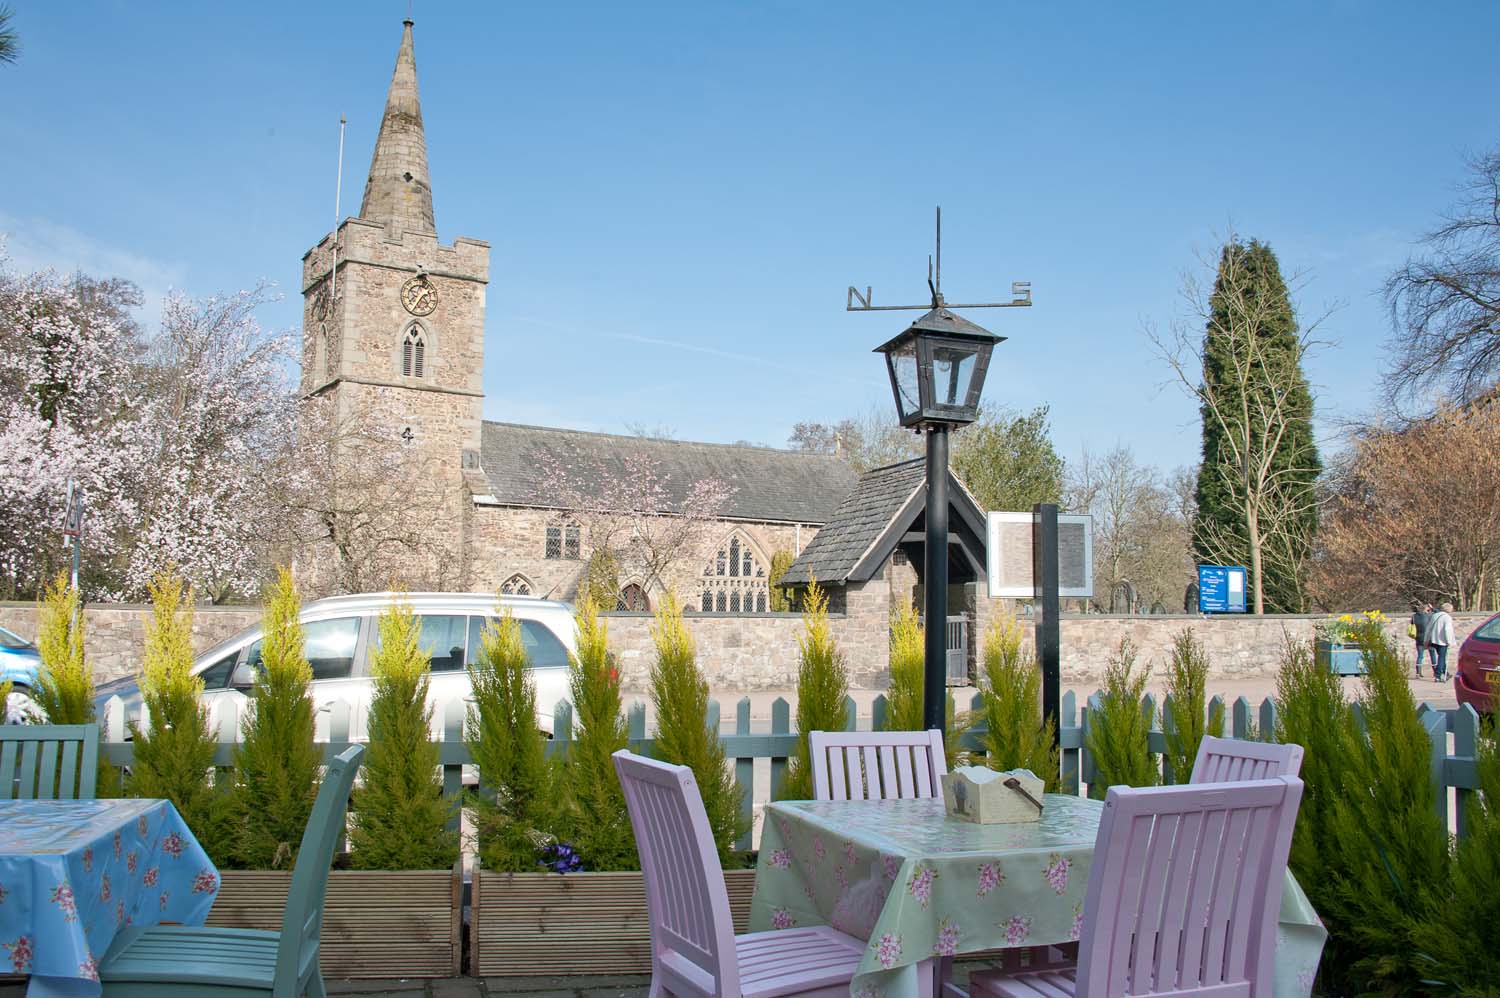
<point>1252,529</point>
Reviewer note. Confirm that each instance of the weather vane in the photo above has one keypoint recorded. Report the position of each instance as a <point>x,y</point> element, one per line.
<point>1020,290</point>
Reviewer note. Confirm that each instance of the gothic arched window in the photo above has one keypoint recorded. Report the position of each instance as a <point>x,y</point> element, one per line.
<point>734,580</point>
<point>413,353</point>
<point>516,585</point>
<point>633,597</point>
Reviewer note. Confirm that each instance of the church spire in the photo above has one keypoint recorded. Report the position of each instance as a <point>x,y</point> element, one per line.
<point>398,192</point>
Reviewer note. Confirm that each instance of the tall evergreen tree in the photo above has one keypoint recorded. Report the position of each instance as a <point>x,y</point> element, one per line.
<point>1260,462</point>
<point>276,763</point>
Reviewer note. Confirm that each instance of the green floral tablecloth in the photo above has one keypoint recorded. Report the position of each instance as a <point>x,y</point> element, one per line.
<point>919,885</point>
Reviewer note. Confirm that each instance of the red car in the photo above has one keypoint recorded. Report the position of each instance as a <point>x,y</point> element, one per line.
<point>1478,660</point>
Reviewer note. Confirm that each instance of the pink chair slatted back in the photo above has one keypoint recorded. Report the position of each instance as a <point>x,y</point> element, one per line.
<point>692,932</point>
<point>1185,889</point>
<point>1223,760</point>
<point>877,765</point>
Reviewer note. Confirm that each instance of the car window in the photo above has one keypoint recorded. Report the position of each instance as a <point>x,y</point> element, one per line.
<point>9,640</point>
<point>1489,630</point>
<point>543,648</point>
<point>216,676</point>
<point>328,645</point>
<point>443,637</point>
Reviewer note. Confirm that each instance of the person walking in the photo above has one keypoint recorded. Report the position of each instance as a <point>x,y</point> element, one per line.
<point>1440,635</point>
<point>1421,616</point>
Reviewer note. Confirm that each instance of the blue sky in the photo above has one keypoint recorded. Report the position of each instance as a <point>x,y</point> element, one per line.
<point>678,194</point>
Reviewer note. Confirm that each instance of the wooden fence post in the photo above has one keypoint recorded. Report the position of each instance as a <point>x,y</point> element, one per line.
<point>851,715</point>
<point>562,730</point>
<point>1241,718</point>
<point>878,712</point>
<point>1069,754</point>
<point>1268,720</point>
<point>744,774</point>
<point>1168,730</point>
<point>1436,723</point>
<point>1465,753</point>
<point>781,724</point>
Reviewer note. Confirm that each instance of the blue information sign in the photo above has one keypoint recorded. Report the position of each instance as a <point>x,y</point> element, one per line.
<point>1221,589</point>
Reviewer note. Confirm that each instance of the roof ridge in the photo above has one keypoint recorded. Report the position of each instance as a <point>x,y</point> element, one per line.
<point>660,440</point>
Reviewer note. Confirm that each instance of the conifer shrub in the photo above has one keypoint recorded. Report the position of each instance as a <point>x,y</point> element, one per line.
<point>514,811</point>
<point>781,600</point>
<point>174,754</point>
<point>1313,712</point>
<point>908,677</point>
<point>5,687</point>
<point>65,684</point>
<point>1386,844</point>
<point>399,814</point>
<point>903,701</point>
<point>276,762</point>
<point>1191,717</point>
<point>822,686</point>
<point>1018,736</point>
<point>601,580</point>
<point>1445,940</point>
<point>599,827</point>
<point>679,695</point>
<point>1119,731</point>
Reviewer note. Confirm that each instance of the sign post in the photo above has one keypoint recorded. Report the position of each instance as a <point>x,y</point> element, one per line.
<point>1045,574</point>
<point>1221,589</point>
<point>1044,556</point>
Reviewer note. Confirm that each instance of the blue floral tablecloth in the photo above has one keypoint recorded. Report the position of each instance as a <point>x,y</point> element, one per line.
<point>73,873</point>
<point>919,885</point>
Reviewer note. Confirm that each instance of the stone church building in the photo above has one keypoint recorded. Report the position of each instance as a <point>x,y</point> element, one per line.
<point>394,322</point>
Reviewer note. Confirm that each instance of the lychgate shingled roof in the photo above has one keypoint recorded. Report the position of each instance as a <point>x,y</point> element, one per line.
<point>868,524</point>
<point>769,485</point>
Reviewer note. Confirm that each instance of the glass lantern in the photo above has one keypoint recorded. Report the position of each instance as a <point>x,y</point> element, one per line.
<point>937,368</point>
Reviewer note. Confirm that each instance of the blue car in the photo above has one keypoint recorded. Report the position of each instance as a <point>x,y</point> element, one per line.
<point>19,663</point>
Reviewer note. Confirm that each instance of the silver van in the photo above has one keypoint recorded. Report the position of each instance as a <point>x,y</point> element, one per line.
<point>341,632</point>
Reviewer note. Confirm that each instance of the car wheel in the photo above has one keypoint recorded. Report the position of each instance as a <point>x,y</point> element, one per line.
<point>20,708</point>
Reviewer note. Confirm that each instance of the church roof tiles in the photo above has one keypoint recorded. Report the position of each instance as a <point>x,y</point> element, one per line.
<point>769,485</point>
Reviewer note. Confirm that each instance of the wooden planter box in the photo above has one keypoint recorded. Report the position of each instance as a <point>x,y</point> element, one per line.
<point>1345,660</point>
<point>529,924</point>
<point>376,924</point>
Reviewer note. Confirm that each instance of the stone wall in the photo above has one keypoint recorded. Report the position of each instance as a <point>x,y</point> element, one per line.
<point>115,633</point>
<point>751,652</point>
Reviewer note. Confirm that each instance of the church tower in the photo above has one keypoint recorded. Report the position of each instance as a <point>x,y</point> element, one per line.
<point>393,346</point>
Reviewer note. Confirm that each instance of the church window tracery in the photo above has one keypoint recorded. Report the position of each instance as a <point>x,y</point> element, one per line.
<point>734,580</point>
<point>516,585</point>
<point>633,597</point>
<point>414,353</point>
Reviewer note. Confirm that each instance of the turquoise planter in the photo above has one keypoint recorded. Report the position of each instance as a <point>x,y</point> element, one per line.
<point>1345,660</point>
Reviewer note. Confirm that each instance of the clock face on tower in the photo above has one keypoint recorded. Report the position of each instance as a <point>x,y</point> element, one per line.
<point>419,296</point>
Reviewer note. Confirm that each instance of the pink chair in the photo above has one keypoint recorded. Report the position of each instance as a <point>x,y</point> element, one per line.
<point>1223,760</point>
<point>877,765</point>
<point>1183,895</point>
<point>694,951</point>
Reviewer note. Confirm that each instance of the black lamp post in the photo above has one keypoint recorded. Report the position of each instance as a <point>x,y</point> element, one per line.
<point>937,368</point>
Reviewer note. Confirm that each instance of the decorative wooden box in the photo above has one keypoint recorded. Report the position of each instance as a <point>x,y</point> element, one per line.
<point>980,794</point>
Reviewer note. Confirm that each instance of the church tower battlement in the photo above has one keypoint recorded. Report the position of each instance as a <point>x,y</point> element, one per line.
<point>393,320</point>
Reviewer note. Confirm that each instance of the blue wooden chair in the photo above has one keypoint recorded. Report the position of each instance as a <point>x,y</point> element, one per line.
<point>48,761</point>
<point>181,960</point>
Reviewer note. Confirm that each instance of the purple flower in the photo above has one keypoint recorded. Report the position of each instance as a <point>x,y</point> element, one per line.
<point>560,857</point>
<point>781,918</point>
<point>1056,873</point>
<point>1017,928</point>
<point>947,939</point>
<point>990,877</point>
<point>920,885</point>
<point>780,859</point>
<point>888,950</point>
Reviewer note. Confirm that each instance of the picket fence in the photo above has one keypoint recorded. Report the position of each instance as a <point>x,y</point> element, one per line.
<point>1454,775</point>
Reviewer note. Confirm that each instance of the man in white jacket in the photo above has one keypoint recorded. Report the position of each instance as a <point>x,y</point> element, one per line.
<point>1440,635</point>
